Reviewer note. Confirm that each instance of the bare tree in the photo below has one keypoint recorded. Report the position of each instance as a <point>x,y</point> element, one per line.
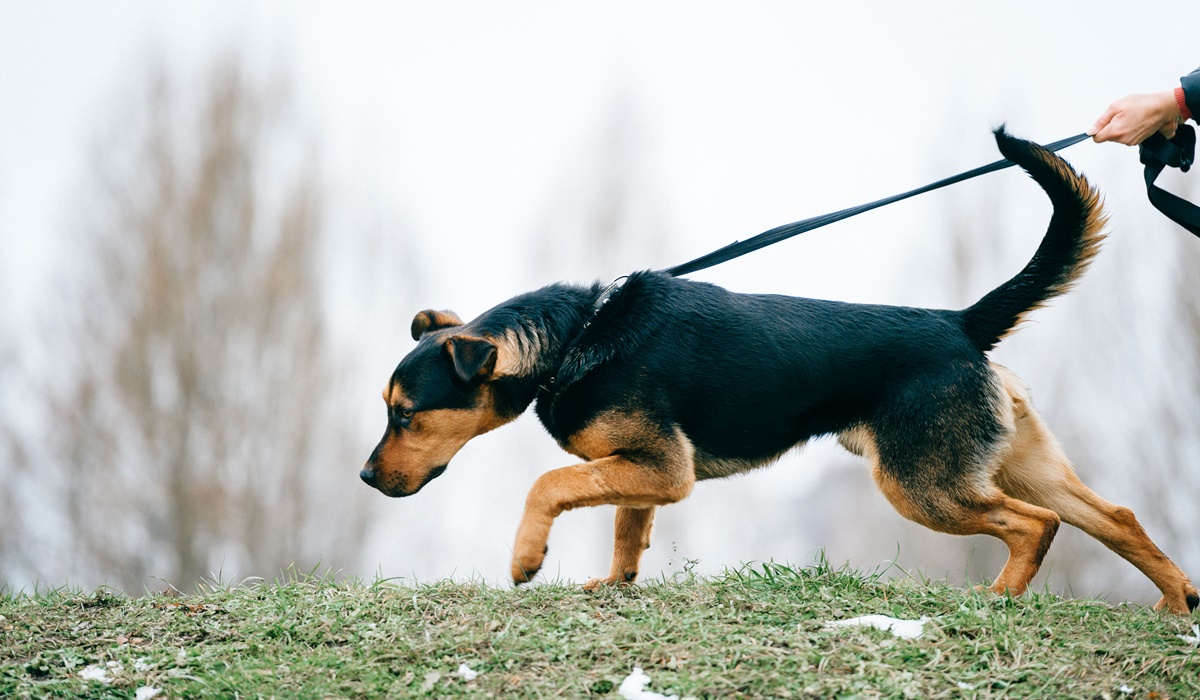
<point>13,466</point>
<point>605,220</point>
<point>199,433</point>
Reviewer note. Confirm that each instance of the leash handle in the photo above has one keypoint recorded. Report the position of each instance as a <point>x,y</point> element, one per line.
<point>781,233</point>
<point>1158,152</point>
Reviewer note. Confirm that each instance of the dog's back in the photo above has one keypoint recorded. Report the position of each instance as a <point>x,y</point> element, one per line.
<point>747,377</point>
<point>668,381</point>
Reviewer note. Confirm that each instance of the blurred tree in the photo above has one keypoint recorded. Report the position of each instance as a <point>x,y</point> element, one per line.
<point>605,219</point>
<point>13,466</point>
<point>199,434</point>
<point>1175,482</point>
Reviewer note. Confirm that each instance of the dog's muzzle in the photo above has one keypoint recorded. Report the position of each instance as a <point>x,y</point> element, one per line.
<point>370,477</point>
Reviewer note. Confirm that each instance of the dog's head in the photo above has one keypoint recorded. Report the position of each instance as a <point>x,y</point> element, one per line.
<point>439,397</point>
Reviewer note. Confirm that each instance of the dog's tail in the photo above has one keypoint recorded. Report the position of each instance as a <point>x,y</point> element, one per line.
<point>1071,241</point>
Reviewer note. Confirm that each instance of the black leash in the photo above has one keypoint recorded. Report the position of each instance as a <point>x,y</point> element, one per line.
<point>781,233</point>
<point>1156,153</point>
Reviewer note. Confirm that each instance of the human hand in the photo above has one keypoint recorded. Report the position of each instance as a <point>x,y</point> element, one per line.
<point>1132,119</point>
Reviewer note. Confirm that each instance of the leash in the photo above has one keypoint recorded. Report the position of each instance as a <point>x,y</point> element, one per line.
<point>782,233</point>
<point>1156,153</point>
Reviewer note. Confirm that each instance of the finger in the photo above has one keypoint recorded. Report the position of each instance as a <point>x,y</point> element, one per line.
<point>1103,134</point>
<point>1103,121</point>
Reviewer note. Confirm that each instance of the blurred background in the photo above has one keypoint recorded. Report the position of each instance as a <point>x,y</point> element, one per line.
<point>218,218</point>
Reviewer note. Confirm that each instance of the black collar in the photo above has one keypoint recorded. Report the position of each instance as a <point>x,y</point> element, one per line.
<point>548,387</point>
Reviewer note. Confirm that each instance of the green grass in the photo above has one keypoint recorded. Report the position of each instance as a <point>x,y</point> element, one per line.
<point>755,632</point>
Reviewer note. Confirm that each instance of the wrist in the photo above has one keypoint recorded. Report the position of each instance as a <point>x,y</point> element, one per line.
<point>1181,103</point>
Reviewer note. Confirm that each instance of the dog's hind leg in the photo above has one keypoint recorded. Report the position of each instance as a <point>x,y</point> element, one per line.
<point>631,537</point>
<point>1036,470</point>
<point>931,445</point>
<point>1027,530</point>
<point>961,503</point>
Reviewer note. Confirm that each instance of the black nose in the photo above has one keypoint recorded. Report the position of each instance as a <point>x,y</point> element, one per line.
<point>368,476</point>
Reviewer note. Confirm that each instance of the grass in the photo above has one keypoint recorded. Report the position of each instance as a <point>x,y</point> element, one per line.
<point>754,632</point>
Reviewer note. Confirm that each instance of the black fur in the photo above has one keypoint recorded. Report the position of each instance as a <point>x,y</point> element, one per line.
<point>673,381</point>
<point>748,376</point>
<point>1061,256</point>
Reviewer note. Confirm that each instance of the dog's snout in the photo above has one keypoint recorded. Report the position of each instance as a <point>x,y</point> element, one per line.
<point>368,476</point>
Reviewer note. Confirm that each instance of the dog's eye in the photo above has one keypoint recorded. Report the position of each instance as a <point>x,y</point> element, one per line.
<point>402,415</point>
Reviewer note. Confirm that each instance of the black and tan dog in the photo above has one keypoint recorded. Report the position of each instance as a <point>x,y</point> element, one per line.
<point>666,381</point>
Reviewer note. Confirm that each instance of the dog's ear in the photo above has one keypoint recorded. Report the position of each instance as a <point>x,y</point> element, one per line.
<point>430,320</point>
<point>474,359</point>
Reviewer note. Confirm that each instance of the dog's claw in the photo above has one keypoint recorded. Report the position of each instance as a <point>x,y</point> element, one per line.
<point>1191,599</point>
<point>622,581</point>
<point>524,569</point>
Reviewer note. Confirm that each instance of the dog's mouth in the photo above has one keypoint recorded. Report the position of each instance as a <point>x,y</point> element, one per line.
<point>387,487</point>
<point>433,474</point>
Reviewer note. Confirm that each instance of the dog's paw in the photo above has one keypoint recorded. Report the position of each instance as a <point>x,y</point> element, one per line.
<point>1183,604</point>
<point>526,566</point>
<point>597,583</point>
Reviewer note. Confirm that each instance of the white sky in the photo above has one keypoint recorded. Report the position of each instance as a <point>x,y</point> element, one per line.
<point>454,120</point>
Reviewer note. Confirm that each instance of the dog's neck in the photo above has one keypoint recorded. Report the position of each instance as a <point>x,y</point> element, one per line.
<point>533,332</point>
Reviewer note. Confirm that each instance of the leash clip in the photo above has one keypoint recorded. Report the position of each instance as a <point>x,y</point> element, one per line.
<point>612,288</point>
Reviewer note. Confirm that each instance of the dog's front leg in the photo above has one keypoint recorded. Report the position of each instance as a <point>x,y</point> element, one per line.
<point>631,537</point>
<point>616,479</point>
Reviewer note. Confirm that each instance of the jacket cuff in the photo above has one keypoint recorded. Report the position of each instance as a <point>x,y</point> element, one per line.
<point>1181,103</point>
<point>1190,86</point>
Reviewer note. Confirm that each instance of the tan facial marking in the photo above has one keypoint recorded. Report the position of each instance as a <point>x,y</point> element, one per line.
<point>432,438</point>
<point>394,396</point>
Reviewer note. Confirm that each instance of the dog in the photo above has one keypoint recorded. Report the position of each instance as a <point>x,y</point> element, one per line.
<point>659,382</point>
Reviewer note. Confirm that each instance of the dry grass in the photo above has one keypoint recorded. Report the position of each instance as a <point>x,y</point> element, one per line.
<point>755,632</point>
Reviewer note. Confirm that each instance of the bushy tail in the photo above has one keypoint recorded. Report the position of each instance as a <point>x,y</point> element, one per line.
<point>1071,241</point>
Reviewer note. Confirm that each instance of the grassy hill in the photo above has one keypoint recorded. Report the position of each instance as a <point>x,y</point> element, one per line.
<point>757,632</point>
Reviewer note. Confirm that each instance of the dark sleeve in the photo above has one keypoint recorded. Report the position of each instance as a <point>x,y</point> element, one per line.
<point>1191,92</point>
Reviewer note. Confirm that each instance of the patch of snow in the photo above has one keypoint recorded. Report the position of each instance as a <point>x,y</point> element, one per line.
<point>146,692</point>
<point>634,687</point>
<point>95,673</point>
<point>1194,640</point>
<point>464,672</point>
<point>430,680</point>
<point>904,629</point>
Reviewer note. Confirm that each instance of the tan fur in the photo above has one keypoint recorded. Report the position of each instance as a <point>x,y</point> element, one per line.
<point>631,537</point>
<point>516,355</point>
<point>1036,470</point>
<point>1025,529</point>
<point>709,467</point>
<point>393,395</point>
<point>407,457</point>
<point>1027,489</point>
<point>607,432</point>
<point>432,319</point>
<point>657,472</point>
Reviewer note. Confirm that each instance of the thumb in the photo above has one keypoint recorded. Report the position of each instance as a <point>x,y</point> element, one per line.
<point>1103,121</point>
